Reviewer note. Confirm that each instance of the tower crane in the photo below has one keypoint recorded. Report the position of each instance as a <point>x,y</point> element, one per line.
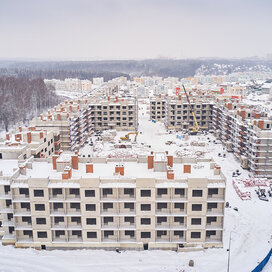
<point>195,128</point>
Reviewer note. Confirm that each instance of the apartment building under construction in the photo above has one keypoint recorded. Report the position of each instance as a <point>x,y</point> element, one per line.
<point>175,112</point>
<point>157,108</point>
<point>77,120</point>
<point>247,132</point>
<point>25,143</point>
<point>155,202</point>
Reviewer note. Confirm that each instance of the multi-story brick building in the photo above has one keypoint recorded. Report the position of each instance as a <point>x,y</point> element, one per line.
<point>158,202</point>
<point>157,108</point>
<point>76,120</point>
<point>174,111</point>
<point>30,142</point>
<point>117,113</point>
<point>246,132</point>
<point>178,115</point>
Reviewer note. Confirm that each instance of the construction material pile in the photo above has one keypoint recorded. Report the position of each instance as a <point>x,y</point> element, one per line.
<point>108,135</point>
<point>197,143</point>
<point>98,147</point>
<point>238,185</point>
<point>251,182</point>
<point>122,153</point>
<point>189,153</point>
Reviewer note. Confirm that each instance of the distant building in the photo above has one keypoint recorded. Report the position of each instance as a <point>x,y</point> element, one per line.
<point>70,84</point>
<point>98,80</point>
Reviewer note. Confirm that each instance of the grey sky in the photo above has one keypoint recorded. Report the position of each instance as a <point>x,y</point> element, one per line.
<point>128,29</point>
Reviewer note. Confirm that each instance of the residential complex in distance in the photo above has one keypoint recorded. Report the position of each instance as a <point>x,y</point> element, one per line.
<point>156,202</point>
<point>70,84</point>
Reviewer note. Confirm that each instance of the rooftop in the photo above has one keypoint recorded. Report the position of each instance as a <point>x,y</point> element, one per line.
<point>132,170</point>
<point>7,166</point>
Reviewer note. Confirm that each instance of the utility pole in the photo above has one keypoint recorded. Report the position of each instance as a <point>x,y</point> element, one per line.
<point>229,251</point>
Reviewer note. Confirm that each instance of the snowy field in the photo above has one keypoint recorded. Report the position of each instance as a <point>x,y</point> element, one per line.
<point>250,227</point>
<point>69,94</point>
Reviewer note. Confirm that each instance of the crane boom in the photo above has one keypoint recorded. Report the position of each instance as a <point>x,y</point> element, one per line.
<point>196,127</point>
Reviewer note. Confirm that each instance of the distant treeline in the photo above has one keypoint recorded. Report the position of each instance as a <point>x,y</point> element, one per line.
<point>109,69</point>
<point>61,74</point>
<point>21,99</point>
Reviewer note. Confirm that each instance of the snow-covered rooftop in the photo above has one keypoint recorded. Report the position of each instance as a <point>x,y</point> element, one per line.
<point>131,170</point>
<point>7,166</point>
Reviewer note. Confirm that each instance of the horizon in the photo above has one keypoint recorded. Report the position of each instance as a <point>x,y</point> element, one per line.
<point>266,58</point>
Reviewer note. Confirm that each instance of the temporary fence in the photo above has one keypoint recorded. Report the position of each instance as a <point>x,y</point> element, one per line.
<point>262,264</point>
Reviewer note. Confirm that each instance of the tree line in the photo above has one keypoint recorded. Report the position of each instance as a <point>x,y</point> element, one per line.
<point>21,99</point>
<point>56,73</point>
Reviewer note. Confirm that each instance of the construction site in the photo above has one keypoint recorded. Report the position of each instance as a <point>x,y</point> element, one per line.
<point>113,139</point>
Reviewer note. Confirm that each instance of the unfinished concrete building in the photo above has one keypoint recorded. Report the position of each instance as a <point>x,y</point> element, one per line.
<point>114,113</point>
<point>246,132</point>
<point>28,142</point>
<point>155,202</point>
<point>157,108</point>
<point>77,120</point>
<point>71,119</point>
<point>174,111</point>
<point>179,117</point>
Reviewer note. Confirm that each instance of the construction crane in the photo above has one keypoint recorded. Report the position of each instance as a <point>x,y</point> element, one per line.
<point>195,128</point>
<point>126,137</point>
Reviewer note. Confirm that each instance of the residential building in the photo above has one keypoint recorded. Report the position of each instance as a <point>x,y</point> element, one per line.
<point>154,202</point>
<point>158,108</point>
<point>77,119</point>
<point>176,114</point>
<point>30,142</point>
<point>247,132</point>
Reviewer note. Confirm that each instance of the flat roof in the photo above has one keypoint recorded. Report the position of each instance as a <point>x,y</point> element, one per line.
<point>131,170</point>
<point>7,166</point>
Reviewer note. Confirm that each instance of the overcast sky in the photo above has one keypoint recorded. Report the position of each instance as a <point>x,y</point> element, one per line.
<point>134,29</point>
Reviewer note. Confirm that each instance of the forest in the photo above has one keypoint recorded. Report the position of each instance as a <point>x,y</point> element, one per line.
<point>114,68</point>
<point>21,99</point>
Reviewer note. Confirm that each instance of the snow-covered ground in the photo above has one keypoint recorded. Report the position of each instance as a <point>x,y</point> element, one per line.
<point>250,227</point>
<point>268,267</point>
<point>259,100</point>
<point>70,94</point>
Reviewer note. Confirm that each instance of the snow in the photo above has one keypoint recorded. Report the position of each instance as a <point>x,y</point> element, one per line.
<point>100,261</point>
<point>64,157</point>
<point>268,267</point>
<point>160,157</point>
<point>250,227</point>
<point>63,184</point>
<point>131,169</point>
<point>7,166</point>
<point>117,185</point>
<point>19,185</point>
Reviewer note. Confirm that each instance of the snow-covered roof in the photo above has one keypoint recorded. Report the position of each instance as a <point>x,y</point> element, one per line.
<point>132,170</point>
<point>7,166</point>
